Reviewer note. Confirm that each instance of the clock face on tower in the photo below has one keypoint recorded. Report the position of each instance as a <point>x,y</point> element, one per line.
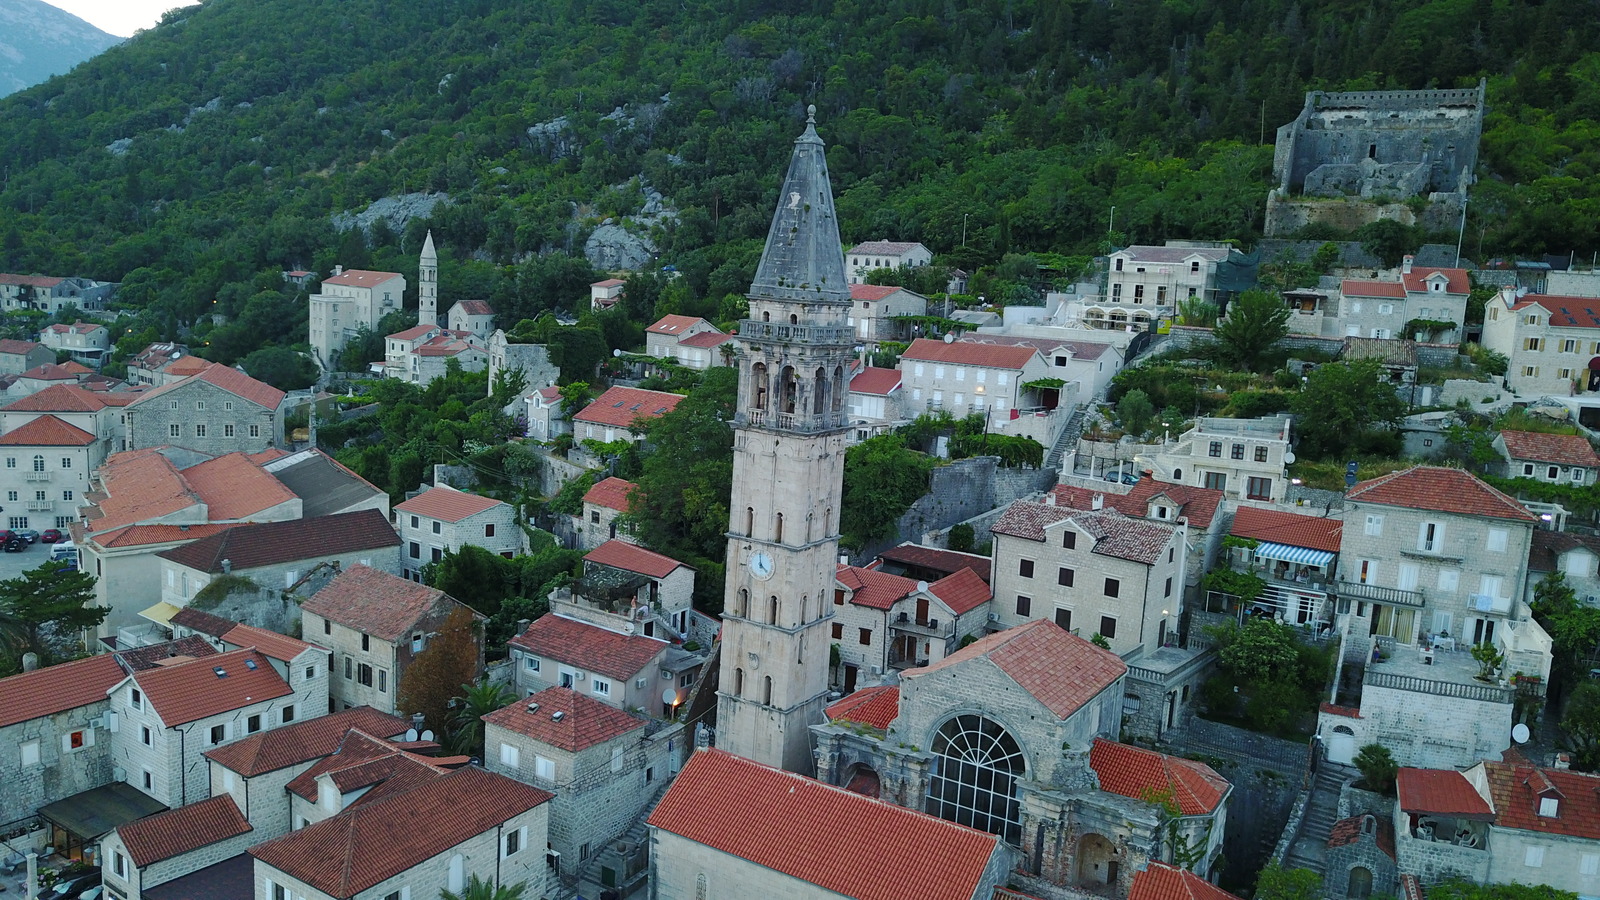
<point>761,566</point>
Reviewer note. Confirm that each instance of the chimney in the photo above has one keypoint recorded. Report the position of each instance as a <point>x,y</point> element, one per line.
<point>1099,502</point>
<point>1405,263</point>
<point>30,662</point>
<point>339,270</point>
<point>1050,499</point>
<point>1563,761</point>
<point>227,567</point>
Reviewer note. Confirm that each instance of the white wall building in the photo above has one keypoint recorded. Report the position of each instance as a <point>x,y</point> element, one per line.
<point>861,259</point>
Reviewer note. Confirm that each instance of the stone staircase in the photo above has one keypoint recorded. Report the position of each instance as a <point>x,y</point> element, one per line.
<point>1070,433</point>
<point>586,883</point>
<point>1310,847</point>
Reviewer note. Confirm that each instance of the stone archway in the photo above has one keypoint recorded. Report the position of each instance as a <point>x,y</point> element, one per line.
<point>1098,862</point>
<point>862,779</point>
<point>1359,887</point>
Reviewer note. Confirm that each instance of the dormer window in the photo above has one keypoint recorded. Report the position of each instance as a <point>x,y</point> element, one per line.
<point>1548,807</point>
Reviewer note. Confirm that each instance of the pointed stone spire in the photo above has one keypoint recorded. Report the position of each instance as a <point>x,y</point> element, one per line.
<point>803,259</point>
<point>428,283</point>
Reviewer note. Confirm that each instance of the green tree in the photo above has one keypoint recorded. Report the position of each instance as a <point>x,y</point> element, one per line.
<point>284,369</point>
<point>1255,322</point>
<point>1260,650</point>
<point>1574,627</point>
<point>1463,890</point>
<point>1378,768</point>
<point>476,701</point>
<point>1341,402</point>
<point>1135,411</point>
<point>882,478</point>
<point>1277,883</point>
<point>474,572</point>
<point>1389,240</point>
<point>1581,725</point>
<point>478,889</point>
<point>681,506</point>
<point>49,606</point>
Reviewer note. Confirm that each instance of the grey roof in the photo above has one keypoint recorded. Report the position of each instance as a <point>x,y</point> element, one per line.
<point>803,259</point>
<point>323,486</point>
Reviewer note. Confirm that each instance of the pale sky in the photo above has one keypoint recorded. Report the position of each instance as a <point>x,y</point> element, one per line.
<point>119,17</point>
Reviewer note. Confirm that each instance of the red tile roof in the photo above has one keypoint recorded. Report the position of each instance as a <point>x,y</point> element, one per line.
<point>1393,290</point>
<point>1160,881</point>
<point>1081,350</point>
<point>304,741</point>
<point>1457,281</point>
<point>1315,532</point>
<point>963,591</point>
<point>202,621</point>
<point>67,371</point>
<point>1565,449</point>
<point>674,325</point>
<point>874,589</point>
<point>705,340</point>
<point>823,835</point>
<point>447,504</point>
<point>1570,312</point>
<point>620,406</point>
<point>153,656</point>
<point>873,380</point>
<point>365,845</point>
<point>276,646</point>
<point>446,345</point>
<point>1516,787</point>
<point>47,431</point>
<point>946,561</point>
<point>589,647</point>
<point>193,690</point>
<point>609,282</point>
<point>966,353</point>
<point>1197,504</point>
<point>365,761</point>
<point>58,398</point>
<point>54,689</point>
<point>274,543</point>
<point>1440,489</point>
<point>582,723</point>
<point>228,379</point>
<point>1441,792</point>
<point>1059,669</point>
<point>182,830</point>
<point>875,707</point>
<point>414,333</point>
<point>612,493</point>
<point>374,602</point>
<point>1115,534</point>
<point>633,558</point>
<point>1546,548</point>
<point>475,307</point>
<point>233,487</point>
<point>872,291</point>
<point>44,281</point>
<point>360,278</point>
<point>1348,831</point>
<point>9,345</point>
<point>1145,774</point>
<point>147,535</point>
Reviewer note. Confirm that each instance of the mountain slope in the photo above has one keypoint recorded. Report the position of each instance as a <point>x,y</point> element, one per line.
<point>38,40</point>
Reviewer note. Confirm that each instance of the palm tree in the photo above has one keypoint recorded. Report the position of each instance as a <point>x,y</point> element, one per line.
<point>478,889</point>
<point>475,702</point>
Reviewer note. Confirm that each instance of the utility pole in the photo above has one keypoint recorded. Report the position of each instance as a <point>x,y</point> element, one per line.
<point>1112,221</point>
<point>1463,231</point>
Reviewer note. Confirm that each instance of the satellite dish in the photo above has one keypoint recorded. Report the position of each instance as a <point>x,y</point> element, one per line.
<point>411,734</point>
<point>617,352</point>
<point>1519,733</point>
<point>427,735</point>
<point>669,696</point>
<point>949,339</point>
<point>1288,458</point>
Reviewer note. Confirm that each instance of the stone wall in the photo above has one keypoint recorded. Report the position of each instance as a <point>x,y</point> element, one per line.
<point>958,492</point>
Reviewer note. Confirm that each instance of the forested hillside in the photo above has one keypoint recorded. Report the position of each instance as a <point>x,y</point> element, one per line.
<point>199,158</point>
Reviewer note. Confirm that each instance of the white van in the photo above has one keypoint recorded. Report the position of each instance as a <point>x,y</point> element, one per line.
<point>65,550</point>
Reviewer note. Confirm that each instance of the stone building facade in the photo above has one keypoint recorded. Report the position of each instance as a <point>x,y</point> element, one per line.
<point>221,410</point>
<point>169,845</point>
<point>443,519</point>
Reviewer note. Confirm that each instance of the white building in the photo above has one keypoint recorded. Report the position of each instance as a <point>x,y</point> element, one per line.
<point>1552,342</point>
<point>1382,309</point>
<point>875,402</point>
<point>861,259</point>
<point>443,519</point>
<point>1243,458</point>
<point>605,294</point>
<point>474,317</point>
<point>1556,458</point>
<point>874,310</point>
<point>616,414</point>
<point>47,467</point>
<point>86,341</point>
<point>1152,280</point>
<point>348,302</point>
<point>964,377</point>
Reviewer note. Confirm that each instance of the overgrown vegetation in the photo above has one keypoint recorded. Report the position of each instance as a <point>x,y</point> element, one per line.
<point>1268,679</point>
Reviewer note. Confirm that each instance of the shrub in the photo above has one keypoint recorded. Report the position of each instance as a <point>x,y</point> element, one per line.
<point>1378,768</point>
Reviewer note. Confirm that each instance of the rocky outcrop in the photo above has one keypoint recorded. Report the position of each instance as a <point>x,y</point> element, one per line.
<point>610,247</point>
<point>396,211</point>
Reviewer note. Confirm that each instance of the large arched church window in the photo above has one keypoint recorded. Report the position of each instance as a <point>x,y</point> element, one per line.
<point>976,767</point>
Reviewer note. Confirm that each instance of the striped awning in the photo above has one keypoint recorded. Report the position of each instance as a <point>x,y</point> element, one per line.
<point>1300,556</point>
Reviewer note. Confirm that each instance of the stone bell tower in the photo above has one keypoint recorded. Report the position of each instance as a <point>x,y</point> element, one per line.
<point>788,464</point>
<point>427,284</point>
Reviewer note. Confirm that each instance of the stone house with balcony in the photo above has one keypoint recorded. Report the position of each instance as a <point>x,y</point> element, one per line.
<point>1555,458</point>
<point>1145,282</point>
<point>633,587</point>
<point>146,854</point>
<point>220,410</point>
<point>604,766</point>
<point>875,311</point>
<point>1383,309</point>
<point>965,377</point>
<point>1096,571</point>
<point>443,519</point>
<point>603,506</point>
<point>613,415</point>
<point>88,342</point>
<point>864,257</point>
<point>990,739</point>
<point>350,300</point>
<point>1203,511</point>
<point>375,624</point>
<point>612,666</point>
<point>1296,555</point>
<point>1552,342</point>
<point>167,717</point>
<point>46,472</point>
<point>875,402</point>
<point>1243,458</point>
<point>884,623</point>
<point>459,824</point>
<point>1090,365</point>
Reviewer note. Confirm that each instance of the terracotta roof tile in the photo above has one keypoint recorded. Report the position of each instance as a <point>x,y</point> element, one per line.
<point>1441,792</point>
<point>1457,281</point>
<point>360,278</point>
<point>1440,489</point>
<point>447,504</point>
<point>274,543</point>
<point>363,760</point>
<point>1516,787</point>
<point>1348,831</point>
<point>633,558</point>
<point>947,562</point>
<point>1568,312</point>
<point>47,431</point>
<point>58,398</point>
<point>705,340</point>
<point>875,707</point>
<point>589,647</point>
<point>609,282</point>
<point>54,689</point>
<point>44,281</point>
<point>1142,774</point>
<point>868,850</point>
<point>182,830</point>
<point>873,380</point>
<point>374,602</point>
<point>583,722</point>
<point>140,485</point>
<point>621,406</point>
<point>202,621</point>
<point>228,379</point>
<point>1059,669</point>
<point>674,325</point>
<point>1025,519</point>
<point>963,591</point>
<point>1315,532</point>
<point>872,291</point>
<point>414,333</point>
<point>67,371</point>
<point>276,646</point>
<point>193,690</point>
<point>1085,350</point>
<point>1197,504</point>
<point>154,656</point>
<point>233,487</point>
<point>874,589</point>
<point>363,846</point>
<point>967,353</point>
<point>1547,547</point>
<point>612,493</point>
<point>147,535</point>
<point>1160,881</point>
<point>1115,534</point>
<point>1152,253</point>
<point>9,345</point>
<point>1565,449</point>
<point>302,742</point>
<point>475,307</point>
<point>1392,290</point>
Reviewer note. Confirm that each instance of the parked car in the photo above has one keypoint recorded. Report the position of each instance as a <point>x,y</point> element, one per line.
<point>72,887</point>
<point>16,545</point>
<point>29,535</point>
<point>6,534</point>
<point>51,535</point>
<point>1129,478</point>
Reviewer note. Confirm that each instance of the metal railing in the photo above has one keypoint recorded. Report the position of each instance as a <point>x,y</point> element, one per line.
<point>932,627</point>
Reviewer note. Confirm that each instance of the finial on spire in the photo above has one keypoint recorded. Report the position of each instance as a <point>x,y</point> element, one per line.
<point>811,114</point>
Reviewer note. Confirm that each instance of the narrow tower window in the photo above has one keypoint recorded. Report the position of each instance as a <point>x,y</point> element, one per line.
<point>772,610</point>
<point>778,533</point>
<point>738,682</point>
<point>758,385</point>
<point>766,690</point>
<point>819,394</point>
<point>749,521</point>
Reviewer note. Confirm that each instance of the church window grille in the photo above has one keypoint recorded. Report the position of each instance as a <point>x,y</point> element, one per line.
<point>976,767</point>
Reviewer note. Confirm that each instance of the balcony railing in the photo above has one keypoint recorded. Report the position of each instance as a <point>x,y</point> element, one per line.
<point>1488,693</point>
<point>1356,591</point>
<point>39,505</point>
<point>751,330</point>
<point>802,422</point>
<point>36,476</point>
<point>932,627</point>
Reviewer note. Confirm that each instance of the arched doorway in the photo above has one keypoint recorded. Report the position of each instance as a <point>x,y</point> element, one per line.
<point>861,779</point>
<point>1359,886</point>
<point>1342,745</point>
<point>974,782</point>
<point>1097,860</point>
